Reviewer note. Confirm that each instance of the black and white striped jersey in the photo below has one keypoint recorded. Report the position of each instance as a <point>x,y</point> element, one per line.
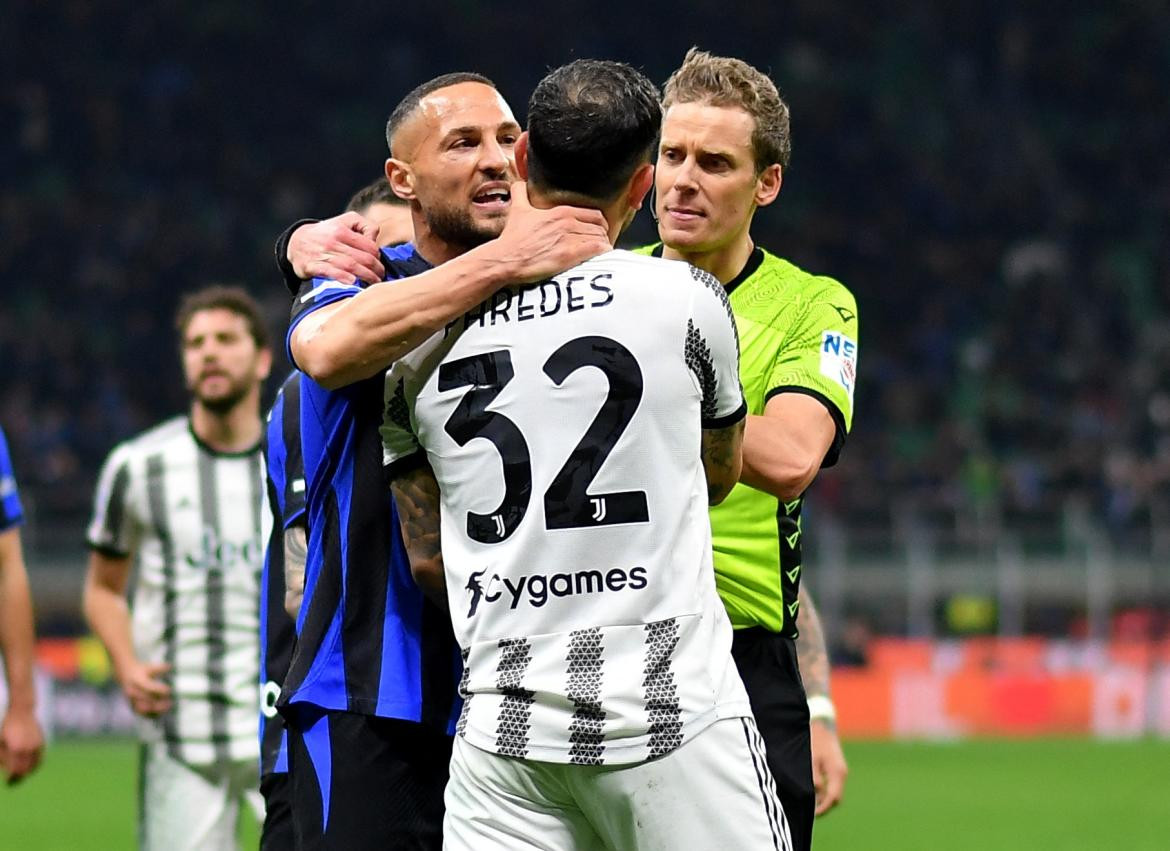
<point>192,518</point>
<point>563,423</point>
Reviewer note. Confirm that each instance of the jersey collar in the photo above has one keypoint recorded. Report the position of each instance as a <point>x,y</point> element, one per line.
<point>749,268</point>
<point>402,261</point>
<point>216,453</point>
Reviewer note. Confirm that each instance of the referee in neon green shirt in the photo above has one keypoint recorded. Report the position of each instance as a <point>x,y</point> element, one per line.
<point>725,145</point>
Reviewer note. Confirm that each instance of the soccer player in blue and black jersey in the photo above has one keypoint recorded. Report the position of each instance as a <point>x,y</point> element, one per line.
<point>21,740</point>
<point>286,501</point>
<point>370,693</point>
<point>284,562</point>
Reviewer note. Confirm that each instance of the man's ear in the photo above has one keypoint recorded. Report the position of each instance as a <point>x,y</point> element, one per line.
<point>521,154</point>
<point>640,183</point>
<point>401,178</point>
<point>768,185</point>
<point>264,364</point>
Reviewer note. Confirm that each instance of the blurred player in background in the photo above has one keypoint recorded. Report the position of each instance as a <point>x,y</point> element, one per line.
<point>724,147</point>
<point>284,565</point>
<point>183,502</point>
<point>601,706</point>
<point>21,740</point>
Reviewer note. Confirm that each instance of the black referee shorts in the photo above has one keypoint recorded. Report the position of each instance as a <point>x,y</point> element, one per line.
<point>277,832</point>
<point>361,782</point>
<point>767,666</point>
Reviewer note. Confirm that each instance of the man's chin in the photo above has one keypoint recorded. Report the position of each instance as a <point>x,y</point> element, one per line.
<point>220,403</point>
<point>490,225</point>
<point>468,231</point>
<point>680,239</point>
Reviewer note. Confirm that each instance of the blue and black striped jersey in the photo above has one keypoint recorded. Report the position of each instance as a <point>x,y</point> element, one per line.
<point>286,501</point>
<point>11,513</point>
<point>368,642</point>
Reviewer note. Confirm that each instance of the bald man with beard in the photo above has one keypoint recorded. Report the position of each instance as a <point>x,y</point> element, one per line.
<point>370,693</point>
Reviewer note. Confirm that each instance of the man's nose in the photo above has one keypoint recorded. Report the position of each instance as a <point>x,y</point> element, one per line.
<point>496,161</point>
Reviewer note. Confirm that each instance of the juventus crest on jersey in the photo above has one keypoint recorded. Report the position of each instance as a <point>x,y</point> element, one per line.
<point>193,518</point>
<point>563,423</point>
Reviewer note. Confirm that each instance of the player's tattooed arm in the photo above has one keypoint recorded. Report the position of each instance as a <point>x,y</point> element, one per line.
<point>811,653</point>
<point>296,552</point>
<point>722,460</point>
<point>416,493</point>
<point>829,766</point>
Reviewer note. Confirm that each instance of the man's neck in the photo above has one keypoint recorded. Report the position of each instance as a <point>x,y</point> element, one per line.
<point>235,430</point>
<point>437,251</point>
<point>615,215</point>
<point>724,263</point>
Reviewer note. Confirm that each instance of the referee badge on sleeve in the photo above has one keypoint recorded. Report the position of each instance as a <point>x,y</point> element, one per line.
<point>839,360</point>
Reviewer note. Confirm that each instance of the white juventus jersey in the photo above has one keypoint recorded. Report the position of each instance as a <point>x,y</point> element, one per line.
<point>193,519</point>
<point>563,423</point>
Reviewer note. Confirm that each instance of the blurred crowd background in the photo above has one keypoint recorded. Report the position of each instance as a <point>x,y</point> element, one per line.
<point>990,180</point>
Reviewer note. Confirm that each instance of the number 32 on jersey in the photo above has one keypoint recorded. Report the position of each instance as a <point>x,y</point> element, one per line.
<point>567,502</point>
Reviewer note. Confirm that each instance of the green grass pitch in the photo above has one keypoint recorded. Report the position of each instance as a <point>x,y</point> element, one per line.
<point>1043,794</point>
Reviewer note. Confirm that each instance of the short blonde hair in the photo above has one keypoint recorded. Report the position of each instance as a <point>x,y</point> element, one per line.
<point>724,81</point>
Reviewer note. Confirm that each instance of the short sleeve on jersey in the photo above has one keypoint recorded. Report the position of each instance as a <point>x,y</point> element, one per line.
<point>712,353</point>
<point>11,512</point>
<point>114,529</point>
<point>313,295</point>
<point>400,447</point>
<point>819,358</point>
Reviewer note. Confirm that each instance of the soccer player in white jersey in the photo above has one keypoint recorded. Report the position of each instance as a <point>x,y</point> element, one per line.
<point>182,503</point>
<point>570,434</point>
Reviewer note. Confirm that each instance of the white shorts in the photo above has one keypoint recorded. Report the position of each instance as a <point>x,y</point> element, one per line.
<point>715,792</point>
<point>185,807</point>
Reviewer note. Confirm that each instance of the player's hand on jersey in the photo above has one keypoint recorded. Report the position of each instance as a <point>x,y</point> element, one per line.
<point>21,745</point>
<point>541,243</point>
<point>829,766</point>
<point>344,248</point>
<point>144,688</point>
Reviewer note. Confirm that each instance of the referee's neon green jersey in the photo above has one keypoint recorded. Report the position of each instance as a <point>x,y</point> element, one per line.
<point>797,334</point>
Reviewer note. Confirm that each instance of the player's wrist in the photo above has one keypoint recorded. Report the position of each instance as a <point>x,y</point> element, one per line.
<point>821,708</point>
<point>22,703</point>
<point>485,269</point>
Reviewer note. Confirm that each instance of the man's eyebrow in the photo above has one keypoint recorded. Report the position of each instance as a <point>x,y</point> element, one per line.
<point>467,130</point>
<point>704,150</point>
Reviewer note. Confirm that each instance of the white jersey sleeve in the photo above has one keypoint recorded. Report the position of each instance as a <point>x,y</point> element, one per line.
<point>399,443</point>
<point>712,353</point>
<point>116,527</point>
<point>399,430</point>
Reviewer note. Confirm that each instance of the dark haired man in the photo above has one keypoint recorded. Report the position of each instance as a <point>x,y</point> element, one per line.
<point>183,500</point>
<point>602,708</point>
<point>378,204</point>
<point>370,690</point>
